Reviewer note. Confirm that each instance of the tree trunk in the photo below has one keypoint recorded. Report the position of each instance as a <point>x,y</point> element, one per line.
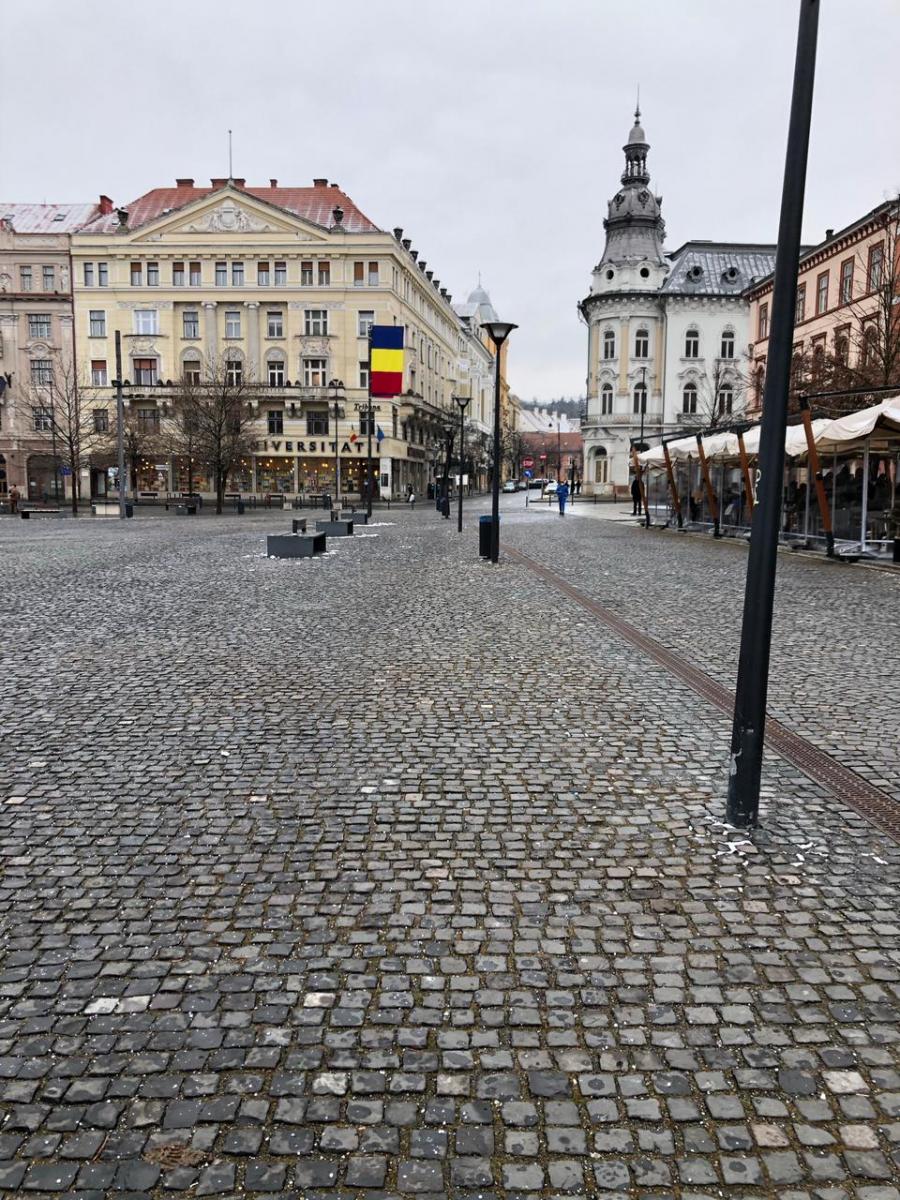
<point>220,491</point>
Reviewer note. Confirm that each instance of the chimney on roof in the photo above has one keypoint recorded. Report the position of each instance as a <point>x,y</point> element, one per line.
<point>184,183</point>
<point>106,206</point>
<point>320,183</point>
<point>336,185</point>
<point>217,183</point>
<point>829,234</point>
<point>122,214</point>
<point>273,183</point>
<point>238,183</point>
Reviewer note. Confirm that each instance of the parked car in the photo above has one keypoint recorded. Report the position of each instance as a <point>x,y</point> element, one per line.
<point>510,486</point>
<point>550,489</point>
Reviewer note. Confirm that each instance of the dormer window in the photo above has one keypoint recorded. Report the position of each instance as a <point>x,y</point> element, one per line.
<point>695,273</point>
<point>692,344</point>
<point>730,274</point>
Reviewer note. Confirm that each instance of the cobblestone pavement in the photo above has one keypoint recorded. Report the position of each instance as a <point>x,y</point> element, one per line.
<point>395,874</point>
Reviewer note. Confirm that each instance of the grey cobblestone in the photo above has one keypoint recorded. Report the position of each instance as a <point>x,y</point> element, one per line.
<point>327,912</point>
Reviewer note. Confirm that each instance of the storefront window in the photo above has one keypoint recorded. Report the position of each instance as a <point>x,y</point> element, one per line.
<point>275,474</point>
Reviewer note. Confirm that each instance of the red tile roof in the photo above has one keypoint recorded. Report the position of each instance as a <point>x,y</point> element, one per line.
<point>312,204</point>
<point>48,218</point>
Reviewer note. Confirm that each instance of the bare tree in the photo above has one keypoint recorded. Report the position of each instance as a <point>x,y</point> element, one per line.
<point>720,396</point>
<point>512,447</point>
<point>872,358</point>
<point>63,417</point>
<point>141,438</point>
<point>215,422</point>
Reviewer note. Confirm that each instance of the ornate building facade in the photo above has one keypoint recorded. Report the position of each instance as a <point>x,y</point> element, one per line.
<point>668,334</point>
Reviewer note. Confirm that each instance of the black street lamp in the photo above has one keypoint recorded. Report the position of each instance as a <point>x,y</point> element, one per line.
<point>498,332</point>
<point>463,402</point>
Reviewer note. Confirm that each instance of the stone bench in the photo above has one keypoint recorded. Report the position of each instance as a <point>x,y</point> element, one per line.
<point>101,508</point>
<point>25,513</point>
<point>359,516</point>
<point>294,545</point>
<point>335,528</point>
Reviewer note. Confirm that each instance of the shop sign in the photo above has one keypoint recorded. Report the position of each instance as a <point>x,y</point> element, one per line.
<point>308,447</point>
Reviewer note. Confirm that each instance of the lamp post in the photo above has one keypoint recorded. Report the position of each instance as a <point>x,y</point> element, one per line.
<point>120,426</point>
<point>463,402</point>
<point>337,388</point>
<point>498,332</point>
<point>748,730</point>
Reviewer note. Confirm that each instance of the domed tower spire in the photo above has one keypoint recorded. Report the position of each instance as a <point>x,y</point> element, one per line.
<point>634,228</point>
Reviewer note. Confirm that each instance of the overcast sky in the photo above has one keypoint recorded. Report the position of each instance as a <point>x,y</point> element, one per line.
<point>491,130</point>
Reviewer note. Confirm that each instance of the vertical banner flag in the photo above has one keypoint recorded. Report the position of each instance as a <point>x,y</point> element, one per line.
<point>386,360</point>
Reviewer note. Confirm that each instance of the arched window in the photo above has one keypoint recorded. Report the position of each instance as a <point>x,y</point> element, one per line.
<point>642,344</point>
<point>727,348</point>
<point>760,384</point>
<point>601,465</point>
<point>606,399</point>
<point>725,400</point>
<point>609,344</point>
<point>692,343</point>
<point>640,398</point>
<point>689,399</point>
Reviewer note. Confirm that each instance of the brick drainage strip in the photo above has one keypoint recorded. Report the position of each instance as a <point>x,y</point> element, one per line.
<point>848,787</point>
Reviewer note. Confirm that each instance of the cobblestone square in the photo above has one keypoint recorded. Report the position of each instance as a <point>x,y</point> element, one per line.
<point>393,874</point>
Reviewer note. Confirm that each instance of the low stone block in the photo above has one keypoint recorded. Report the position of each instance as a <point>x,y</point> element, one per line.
<point>295,545</point>
<point>335,528</point>
<point>298,525</point>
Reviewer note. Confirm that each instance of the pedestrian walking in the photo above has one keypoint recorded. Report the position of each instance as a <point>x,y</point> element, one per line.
<point>411,499</point>
<point>13,499</point>
<point>635,497</point>
<point>562,495</point>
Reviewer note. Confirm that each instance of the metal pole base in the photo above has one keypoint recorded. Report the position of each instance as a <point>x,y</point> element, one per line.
<point>744,774</point>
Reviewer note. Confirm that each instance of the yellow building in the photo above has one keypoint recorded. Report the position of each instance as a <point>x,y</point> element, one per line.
<point>277,285</point>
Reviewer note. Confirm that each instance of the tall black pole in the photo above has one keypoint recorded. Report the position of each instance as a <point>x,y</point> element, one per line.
<point>748,730</point>
<point>462,434</point>
<point>369,428</point>
<point>120,426</point>
<point>495,482</point>
<point>643,412</point>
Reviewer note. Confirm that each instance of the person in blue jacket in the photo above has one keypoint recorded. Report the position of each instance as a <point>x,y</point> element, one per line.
<point>562,495</point>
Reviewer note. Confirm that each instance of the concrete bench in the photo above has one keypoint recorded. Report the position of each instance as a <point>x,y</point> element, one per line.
<point>102,508</point>
<point>359,516</point>
<point>294,545</point>
<point>40,512</point>
<point>335,528</point>
<point>298,525</point>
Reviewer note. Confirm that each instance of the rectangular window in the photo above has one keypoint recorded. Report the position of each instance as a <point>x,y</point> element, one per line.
<point>324,274</point>
<point>317,423</point>
<point>876,267</point>
<point>233,324</point>
<point>88,274</point>
<point>49,276</point>
<point>314,372</point>
<point>145,372</point>
<point>234,372</point>
<point>366,425</point>
<point>280,274</point>
<point>101,420</point>
<point>39,325</point>
<point>822,293</point>
<point>43,419</point>
<point>103,274</point>
<point>237,274</point>
<point>365,321</point>
<point>846,281</point>
<point>691,344</point>
<point>148,418</point>
<point>137,274</point>
<point>196,274</point>
<point>262,274</point>
<point>359,274</point>
<point>763,321</point>
<point>276,373</point>
<point>275,421</point>
<point>25,278</point>
<point>41,372</point>
<point>274,325</point>
<point>727,346</point>
<point>306,274</point>
<point>98,373</point>
<point>178,274</point>
<point>190,323</point>
<point>221,274</point>
<point>152,274</point>
<point>642,344</point>
<point>364,374</point>
<point>98,322</point>
<point>191,371</point>
<point>800,306</point>
<point>373,274</point>
<point>315,322</point>
<point>146,320</point>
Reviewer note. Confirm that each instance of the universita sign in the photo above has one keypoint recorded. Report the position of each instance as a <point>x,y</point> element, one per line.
<point>307,447</point>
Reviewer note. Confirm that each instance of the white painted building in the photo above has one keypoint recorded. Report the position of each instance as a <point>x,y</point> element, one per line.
<point>668,334</point>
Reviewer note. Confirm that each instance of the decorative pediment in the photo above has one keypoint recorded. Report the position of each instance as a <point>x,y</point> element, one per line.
<point>227,212</point>
<point>229,217</point>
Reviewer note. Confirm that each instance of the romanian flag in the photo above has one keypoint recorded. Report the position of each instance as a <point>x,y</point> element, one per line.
<point>386,360</point>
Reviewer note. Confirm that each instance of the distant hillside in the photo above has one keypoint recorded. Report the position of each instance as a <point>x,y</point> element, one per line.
<point>570,405</point>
